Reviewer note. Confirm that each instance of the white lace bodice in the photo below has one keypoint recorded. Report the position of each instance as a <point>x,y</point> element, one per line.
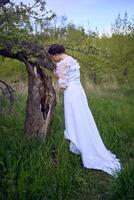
<point>67,71</point>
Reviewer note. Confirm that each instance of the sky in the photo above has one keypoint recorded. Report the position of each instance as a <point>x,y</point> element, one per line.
<point>90,13</point>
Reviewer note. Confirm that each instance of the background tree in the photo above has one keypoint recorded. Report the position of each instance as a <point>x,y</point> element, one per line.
<point>123,40</point>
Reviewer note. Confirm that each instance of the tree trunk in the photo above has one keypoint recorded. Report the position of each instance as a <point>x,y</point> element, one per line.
<point>40,103</point>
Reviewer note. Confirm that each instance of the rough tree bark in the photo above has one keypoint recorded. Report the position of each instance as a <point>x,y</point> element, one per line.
<point>40,103</point>
<point>41,94</point>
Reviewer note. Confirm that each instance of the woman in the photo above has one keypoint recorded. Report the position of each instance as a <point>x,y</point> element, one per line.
<point>80,127</point>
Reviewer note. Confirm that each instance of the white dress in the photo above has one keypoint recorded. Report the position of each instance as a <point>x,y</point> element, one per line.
<point>80,126</point>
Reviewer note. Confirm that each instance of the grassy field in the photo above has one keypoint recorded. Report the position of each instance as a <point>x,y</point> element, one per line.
<point>47,170</point>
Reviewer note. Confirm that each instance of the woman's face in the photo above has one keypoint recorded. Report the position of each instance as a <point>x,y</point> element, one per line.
<point>55,58</point>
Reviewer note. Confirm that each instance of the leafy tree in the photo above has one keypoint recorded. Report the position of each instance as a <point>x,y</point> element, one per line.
<point>123,40</point>
<point>18,41</point>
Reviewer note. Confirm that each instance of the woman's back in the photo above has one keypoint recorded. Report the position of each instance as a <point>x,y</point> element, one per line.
<point>68,71</point>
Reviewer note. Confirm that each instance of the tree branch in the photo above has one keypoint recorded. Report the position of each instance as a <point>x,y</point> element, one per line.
<point>33,53</point>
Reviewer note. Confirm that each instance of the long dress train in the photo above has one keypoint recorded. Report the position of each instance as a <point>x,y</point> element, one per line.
<point>80,127</point>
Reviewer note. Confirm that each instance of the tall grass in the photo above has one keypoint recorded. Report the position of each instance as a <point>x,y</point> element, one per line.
<point>47,170</point>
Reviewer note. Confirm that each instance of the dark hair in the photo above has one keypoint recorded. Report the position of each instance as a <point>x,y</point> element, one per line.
<point>56,49</point>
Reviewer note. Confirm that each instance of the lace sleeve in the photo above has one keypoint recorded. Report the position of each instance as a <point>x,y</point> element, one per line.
<point>62,72</point>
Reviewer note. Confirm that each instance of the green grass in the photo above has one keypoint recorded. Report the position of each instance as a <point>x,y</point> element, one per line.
<point>46,170</point>
<point>14,69</point>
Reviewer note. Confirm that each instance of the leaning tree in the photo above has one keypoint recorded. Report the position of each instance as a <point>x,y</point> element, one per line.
<point>17,41</point>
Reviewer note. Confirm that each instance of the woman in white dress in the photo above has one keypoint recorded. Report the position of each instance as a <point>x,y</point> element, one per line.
<point>80,126</point>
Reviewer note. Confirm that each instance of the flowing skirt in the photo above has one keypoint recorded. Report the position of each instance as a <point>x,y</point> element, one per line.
<point>82,132</point>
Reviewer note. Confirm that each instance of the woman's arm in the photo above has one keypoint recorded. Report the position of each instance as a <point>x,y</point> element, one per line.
<point>62,73</point>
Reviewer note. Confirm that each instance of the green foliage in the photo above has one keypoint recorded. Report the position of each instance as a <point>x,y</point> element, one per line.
<point>35,169</point>
<point>13,70</point>
<point>122,188</point>
<point>46,169</point>
<point>123,26</point>
<point>16,23</point>
<point>102,59</point>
